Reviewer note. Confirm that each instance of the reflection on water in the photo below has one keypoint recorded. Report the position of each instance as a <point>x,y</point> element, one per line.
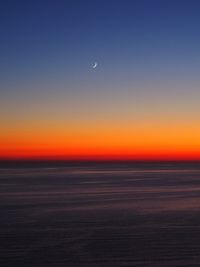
<point>100,215</point>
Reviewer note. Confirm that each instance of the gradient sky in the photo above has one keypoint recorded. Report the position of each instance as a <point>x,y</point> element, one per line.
<point>142,101</point>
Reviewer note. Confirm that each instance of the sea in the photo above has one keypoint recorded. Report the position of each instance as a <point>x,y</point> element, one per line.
<point>93,214</point>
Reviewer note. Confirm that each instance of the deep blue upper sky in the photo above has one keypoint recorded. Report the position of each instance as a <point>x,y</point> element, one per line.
<point>41,35</point>
<point>140,45</point>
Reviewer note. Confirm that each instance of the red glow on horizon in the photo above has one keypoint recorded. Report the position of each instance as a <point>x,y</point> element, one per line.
<point>176,156</point>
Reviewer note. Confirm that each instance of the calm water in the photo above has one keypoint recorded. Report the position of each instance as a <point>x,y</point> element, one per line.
<point>100,215</point>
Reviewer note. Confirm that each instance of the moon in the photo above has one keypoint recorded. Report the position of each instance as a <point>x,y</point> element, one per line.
<point>94,65</point>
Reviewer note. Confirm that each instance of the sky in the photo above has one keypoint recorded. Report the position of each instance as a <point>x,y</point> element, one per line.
<point>140,102</point>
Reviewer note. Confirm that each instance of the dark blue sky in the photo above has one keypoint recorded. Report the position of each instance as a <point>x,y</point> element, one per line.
<point>52,36</point>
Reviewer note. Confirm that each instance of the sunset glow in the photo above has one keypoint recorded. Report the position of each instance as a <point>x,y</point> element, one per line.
<point>141,101</point>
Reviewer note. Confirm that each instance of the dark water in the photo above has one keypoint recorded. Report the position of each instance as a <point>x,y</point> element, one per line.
<point>100,215</point>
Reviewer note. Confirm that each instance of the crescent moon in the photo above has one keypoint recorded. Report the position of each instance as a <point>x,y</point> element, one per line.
<point>95,65</point>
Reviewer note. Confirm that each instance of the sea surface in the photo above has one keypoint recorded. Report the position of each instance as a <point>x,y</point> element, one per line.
<point>100,214</point>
